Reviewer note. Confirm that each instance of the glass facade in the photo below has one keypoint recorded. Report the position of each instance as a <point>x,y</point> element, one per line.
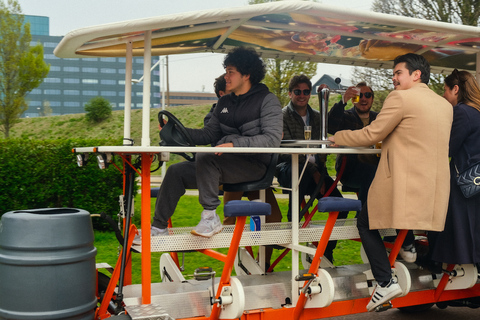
<point>72,83</point>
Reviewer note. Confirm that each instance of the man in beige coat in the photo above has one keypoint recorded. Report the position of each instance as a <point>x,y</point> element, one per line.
<point>411,186</point>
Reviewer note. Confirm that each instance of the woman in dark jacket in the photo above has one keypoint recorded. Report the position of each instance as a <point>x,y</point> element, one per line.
<point>459,243</point>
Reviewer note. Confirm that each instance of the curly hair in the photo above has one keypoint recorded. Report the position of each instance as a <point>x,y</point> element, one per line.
<point>248,62</point>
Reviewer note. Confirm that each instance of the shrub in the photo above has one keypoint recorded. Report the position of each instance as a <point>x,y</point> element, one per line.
<point>98,109</point>
<point>42,174</point>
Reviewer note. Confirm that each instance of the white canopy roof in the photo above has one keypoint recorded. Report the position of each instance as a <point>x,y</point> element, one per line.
<point>297,30</point>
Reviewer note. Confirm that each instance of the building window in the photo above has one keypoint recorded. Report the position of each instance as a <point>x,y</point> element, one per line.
<point>121,105</point>
<point>108,70</point>
<point>138,60</point>
<point>71,80</point>
<point>36,91</point>
<point>71,69</point>
<point>50,44</point>
<point>108,93</point>
<point>90,93</point>
<point>108,59</point>
<point>122,60</point>
<point>121,71</point>
<point>108,82</point>
<point>54,103</point>
<point>89,70</point>
<point>72,104</point>
<point>90,59</point>
<point>52,80</point>
<point>121,82</point>
<point>71,92</point>
<point>139,71</point>
<point>50,56</point>
<point>51,91</point>
<point>90,81</point>
<point>35,103</point>
<point>55,68</point>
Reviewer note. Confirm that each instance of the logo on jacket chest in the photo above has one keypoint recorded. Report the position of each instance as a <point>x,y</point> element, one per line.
<point>224,110</point>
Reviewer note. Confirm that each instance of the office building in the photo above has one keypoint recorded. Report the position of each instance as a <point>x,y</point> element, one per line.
<point>72,83</point>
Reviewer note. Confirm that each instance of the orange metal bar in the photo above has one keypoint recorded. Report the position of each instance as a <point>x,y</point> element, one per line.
<point>214,254</point>
<point>349,307</point>
<point>396,246</point>
<point>227,268</point>
<point>145,223</point>
<point>443,282</point>
<point>174,255</point>
<point>322,245</point>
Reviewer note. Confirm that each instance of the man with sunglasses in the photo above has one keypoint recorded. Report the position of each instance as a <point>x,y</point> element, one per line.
<point>296,115</point>
<point>359,169</point>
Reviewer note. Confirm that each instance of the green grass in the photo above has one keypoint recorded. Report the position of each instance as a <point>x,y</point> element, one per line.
<point>188,215</point>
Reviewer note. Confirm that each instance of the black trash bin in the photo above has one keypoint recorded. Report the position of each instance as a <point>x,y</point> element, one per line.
<point>47,264</point>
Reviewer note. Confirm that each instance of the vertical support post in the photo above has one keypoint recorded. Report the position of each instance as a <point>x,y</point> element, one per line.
<point>295,213</point>
<point>147,64</point>
<point>128,94</point>
<point>323,96</point>
<point>145,223</point>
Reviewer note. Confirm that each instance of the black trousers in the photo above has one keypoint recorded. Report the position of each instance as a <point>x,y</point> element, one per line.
<point>374,248</point>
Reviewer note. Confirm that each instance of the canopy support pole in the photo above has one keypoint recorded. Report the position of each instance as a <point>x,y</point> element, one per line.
<point>128,95</point>
<point>147,64</point>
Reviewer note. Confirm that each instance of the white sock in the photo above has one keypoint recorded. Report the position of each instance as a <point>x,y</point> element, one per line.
<point>208,214</point>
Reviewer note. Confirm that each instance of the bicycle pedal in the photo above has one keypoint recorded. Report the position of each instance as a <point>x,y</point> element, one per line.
<point>383,307</point>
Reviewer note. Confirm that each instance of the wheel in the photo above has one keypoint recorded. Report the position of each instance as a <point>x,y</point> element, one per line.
<point>417,308</point>
<point>173,133</point>
<point>121,317</point>
<point>103,281</point>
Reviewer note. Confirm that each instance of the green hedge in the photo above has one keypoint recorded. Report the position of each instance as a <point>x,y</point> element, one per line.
<point>44,174</point>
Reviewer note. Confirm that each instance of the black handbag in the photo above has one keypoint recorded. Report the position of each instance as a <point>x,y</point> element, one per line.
<point>469,180</point>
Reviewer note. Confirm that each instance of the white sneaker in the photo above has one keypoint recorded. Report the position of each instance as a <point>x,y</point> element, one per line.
<point>154,231</point>
<point>383,294</point>
<point>408,253</point>
<point>208,226</point>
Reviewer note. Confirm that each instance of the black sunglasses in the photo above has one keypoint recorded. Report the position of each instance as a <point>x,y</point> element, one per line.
<point>306,92</point>
<point>367,95</point>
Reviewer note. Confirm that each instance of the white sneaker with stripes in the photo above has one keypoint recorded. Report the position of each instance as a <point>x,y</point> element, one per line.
<point>384,294</point>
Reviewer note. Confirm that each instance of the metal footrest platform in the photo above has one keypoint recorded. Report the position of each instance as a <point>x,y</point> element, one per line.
<point>148,312</point>
<point>261,291</point>
<point>180,239</point>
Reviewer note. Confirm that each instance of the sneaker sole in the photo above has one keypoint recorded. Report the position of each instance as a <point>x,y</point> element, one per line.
<point>207,235</point>
<point>387,298</point>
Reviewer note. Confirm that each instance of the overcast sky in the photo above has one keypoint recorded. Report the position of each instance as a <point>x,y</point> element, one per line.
<point>188,72</point>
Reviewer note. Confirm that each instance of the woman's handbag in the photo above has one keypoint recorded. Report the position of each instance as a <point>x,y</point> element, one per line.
<point>469,180</point>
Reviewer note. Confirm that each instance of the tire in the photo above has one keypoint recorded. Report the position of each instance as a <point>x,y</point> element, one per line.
<point>417,308</point>
<point>121,317</point>
<point>103,281</point>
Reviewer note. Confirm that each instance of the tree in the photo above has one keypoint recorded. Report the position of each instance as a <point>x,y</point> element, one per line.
<point>279,72</point>
<point>465,12</point>
<point>22,68</point>
<point>98,109</point>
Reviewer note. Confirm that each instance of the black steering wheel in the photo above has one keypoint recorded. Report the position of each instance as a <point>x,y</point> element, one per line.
<point>173,133</point>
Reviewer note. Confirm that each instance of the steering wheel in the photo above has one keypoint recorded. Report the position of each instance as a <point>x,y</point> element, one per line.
<point>173,133</point>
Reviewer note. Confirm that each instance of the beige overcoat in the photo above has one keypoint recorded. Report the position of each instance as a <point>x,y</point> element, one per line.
<point>412,183</point>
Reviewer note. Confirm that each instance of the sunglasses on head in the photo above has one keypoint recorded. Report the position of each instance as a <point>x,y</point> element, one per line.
<point>367,95</point>
<point>306,92</point>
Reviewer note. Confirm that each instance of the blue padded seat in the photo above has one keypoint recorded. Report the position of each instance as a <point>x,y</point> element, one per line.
<point>240,208</point>
<point>331,204</point>
<point>154,192</point>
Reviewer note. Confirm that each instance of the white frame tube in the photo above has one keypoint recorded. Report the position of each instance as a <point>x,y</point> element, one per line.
<point>147,63</point>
